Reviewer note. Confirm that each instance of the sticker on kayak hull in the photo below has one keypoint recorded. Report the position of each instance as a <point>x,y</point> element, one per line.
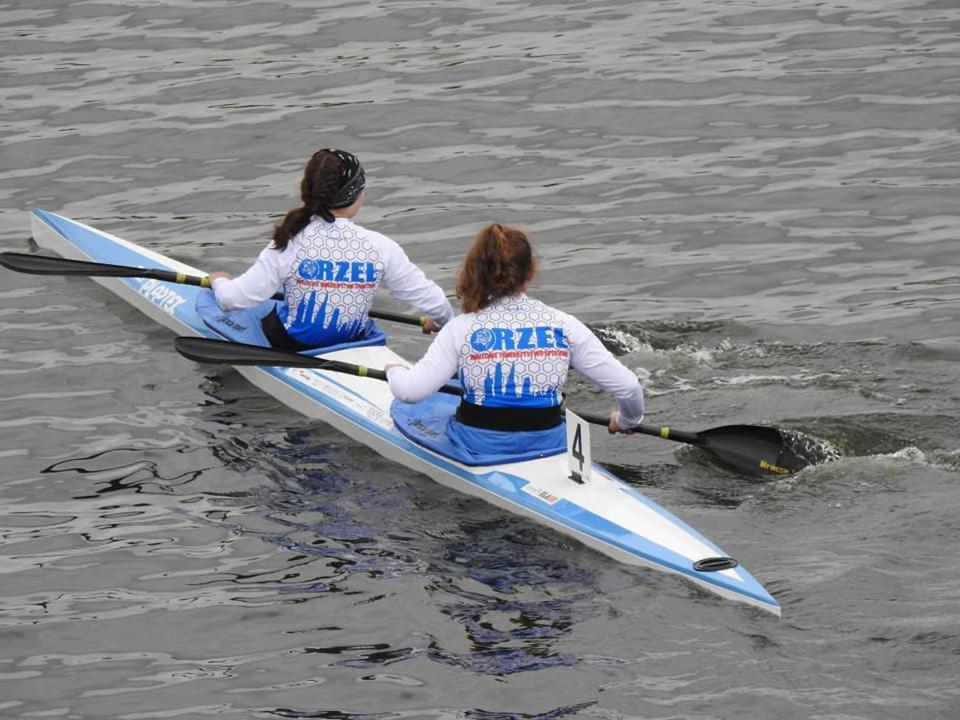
<point>162,295</point>
<point>545,495</point>
<point>316,381</point>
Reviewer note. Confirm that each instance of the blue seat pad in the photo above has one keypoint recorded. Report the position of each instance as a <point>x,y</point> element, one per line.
<point>243,326</point>
<point>425,423</point>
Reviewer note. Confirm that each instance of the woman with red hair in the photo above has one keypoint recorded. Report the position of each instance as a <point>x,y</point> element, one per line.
<point>511,353</point>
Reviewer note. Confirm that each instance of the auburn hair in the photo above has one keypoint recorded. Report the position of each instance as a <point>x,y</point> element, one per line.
<point>318,188</point>
<point>498,264</point>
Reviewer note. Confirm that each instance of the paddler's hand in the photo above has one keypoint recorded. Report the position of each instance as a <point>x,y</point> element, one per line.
<point>389,366</point>
<point>429,326</point>
<point>216,275</point>
<point>614,427</point>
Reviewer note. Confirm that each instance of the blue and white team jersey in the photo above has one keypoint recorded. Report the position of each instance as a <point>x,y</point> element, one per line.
<point>329,273</point>
<point>516,353</point>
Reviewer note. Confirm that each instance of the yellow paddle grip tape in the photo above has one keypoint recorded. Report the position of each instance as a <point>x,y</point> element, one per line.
<point>423,320</point>
<point>664,432</point>
<point>181,278</point>
<point>362,370</point>
<point>204,281</point>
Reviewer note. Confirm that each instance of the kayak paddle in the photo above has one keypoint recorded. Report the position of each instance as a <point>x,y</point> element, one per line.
<point>747,448</point>
<point>209,350</point>
<point>48,265</point>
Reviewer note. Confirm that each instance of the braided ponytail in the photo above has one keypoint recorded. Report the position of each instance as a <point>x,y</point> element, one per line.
<point>318,190</point>
<point>498,264</point>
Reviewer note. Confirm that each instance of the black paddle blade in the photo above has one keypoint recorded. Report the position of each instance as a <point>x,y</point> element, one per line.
<point>46,265</point>
<point>753,449</point>
<point>206,350</point>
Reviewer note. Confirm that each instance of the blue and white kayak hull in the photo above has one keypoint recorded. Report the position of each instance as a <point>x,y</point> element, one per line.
<point>605,514</point>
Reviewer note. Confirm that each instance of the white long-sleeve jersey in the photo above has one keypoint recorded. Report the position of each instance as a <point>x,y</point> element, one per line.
<point>329,273</point>
<point>516,353</point>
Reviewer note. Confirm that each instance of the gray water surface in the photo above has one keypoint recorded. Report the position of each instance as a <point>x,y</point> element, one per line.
<point>753,204</point>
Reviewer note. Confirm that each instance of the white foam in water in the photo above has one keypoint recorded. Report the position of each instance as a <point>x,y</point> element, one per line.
<point>815,450</point>
<point>911,453</point>
<point>626,341</point>
<point>798,380</point>
<point>701,356</point>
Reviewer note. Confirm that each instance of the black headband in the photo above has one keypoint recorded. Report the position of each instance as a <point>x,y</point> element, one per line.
<point>352,180</point>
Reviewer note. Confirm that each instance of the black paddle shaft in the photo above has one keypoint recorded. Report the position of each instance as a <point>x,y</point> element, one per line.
<point>660,432</point>
<point>47,265</point>
<point>207,350</point>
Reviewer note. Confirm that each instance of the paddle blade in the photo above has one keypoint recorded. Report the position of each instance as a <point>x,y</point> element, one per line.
<point>206,350</point>
<point>753,449</point>
<point>46,265</point>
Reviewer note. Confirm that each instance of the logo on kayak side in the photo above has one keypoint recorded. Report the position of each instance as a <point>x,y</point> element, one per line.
<point>161,295</point>
<point>545,495</point>
<point>316,381</point>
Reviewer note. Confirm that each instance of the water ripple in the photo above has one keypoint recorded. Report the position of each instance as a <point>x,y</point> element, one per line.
<point>754,205</point>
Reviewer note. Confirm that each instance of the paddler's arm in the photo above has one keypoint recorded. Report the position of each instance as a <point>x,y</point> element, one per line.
<point>257,284</point>
<point>590,358</point>
<point>408,283</point>
<point>431,372</point>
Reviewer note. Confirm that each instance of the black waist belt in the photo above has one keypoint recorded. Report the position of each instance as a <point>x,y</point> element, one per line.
<point>277,334</point>
<point>509,418</point>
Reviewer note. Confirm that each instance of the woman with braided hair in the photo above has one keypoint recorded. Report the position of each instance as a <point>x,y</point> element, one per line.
<point>511,354</point>
<point>328,266</point>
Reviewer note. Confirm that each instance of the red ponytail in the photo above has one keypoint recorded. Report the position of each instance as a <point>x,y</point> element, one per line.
<point>499,264</point>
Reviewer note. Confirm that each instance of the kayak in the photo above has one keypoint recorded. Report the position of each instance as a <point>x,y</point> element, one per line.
<point>599,510</point>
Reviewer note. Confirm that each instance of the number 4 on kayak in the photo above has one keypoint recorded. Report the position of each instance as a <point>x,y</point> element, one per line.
<point>578,447</point>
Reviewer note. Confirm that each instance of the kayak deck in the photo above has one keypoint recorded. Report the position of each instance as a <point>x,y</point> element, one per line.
<point>605,513</point>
